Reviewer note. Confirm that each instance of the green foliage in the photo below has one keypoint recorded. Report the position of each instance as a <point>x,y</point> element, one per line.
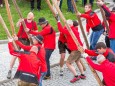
<point>45,12</point>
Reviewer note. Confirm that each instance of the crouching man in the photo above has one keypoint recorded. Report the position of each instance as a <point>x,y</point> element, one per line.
<point>104,66</point>
<point>29,67</point>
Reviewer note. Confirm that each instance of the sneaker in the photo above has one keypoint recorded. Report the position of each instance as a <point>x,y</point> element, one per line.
<point>82,76</point>
<point>61,73</point>
<point>9,74</point>
<point>75,79</point>
<point>47,77</point>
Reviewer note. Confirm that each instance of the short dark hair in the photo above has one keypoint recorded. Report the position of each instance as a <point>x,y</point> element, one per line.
<point>89,5</point>
<point>113,9</point>
<point>100,45</point>
<point>75,23</point>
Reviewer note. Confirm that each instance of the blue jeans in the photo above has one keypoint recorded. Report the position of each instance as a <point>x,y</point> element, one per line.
<point>112,44</point>
<point>70,7</point>
<point>48,54</point>
<point>41,78</point>
<point>94,38</point>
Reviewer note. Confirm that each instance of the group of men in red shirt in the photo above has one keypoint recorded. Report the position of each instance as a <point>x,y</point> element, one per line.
<point>36,57</point>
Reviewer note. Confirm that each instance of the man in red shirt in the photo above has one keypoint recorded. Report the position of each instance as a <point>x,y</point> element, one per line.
<point>111,18</point>
<point>101,48</point>
<point>106,67</point>
<point>49,40</point>
<point>93,22</point>
<point>62,45</point>
<point>29,67</point>
<point>38,42</point>
<point>30,24</point>
<point>75,54</point>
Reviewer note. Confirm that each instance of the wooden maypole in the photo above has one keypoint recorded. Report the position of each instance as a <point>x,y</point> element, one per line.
<point>73,36</point>
<point>7,31</point>
<point>80,23</point>
<point>9,17</point>
<point>23,22</point>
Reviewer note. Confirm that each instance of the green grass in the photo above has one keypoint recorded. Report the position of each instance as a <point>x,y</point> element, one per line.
<point>45,12</point>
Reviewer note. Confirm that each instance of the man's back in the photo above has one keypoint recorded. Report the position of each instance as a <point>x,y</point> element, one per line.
<point>108,73</point>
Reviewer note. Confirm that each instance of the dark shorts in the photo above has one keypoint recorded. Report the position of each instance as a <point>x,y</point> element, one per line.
<point>62,47</point>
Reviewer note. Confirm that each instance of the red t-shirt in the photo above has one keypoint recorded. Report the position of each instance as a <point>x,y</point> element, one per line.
<point>32,25</point>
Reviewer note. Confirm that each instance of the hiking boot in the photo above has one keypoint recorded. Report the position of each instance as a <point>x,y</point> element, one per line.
<point>9,74</point>
<point>75,79</point>
<point>82,76</point>
<point>61,72</point>
<point>47,77</point>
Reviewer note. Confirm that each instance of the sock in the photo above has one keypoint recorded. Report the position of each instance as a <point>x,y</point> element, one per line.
<point>76,76</point>
<point>82,74</point>
<point>61,68</point>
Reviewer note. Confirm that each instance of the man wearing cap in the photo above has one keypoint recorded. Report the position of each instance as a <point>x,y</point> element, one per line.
<point>49,40</point>
<point>111,18</point>
<point>28,71</point>
<point>30,24</point>
<point>38,42</point>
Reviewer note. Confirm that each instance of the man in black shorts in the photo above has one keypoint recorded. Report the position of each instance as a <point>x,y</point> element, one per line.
<point>62,49</point>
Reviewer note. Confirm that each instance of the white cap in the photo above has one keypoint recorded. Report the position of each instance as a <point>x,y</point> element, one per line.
<point>100,58</point>
<point>70,22</point>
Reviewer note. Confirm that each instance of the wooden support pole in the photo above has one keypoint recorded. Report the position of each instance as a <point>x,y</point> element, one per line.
<point>10,17</point>
<point>81,27</point>
<point>72,34</point>
<point>7,31</point>
<point>104,17</point>
<point>23,22</point>
<point>51,7</point>
<point>68,27</point>
<point>52,10</point>
<point>80,23</point>
<point>79,20</point>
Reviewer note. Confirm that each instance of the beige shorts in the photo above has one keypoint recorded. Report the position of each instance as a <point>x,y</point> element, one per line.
<point>23,83</point>
<point>74,56</point>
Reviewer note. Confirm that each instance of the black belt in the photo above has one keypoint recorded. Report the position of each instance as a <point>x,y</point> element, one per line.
<point>23,38</point>
<point>97,28</point>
